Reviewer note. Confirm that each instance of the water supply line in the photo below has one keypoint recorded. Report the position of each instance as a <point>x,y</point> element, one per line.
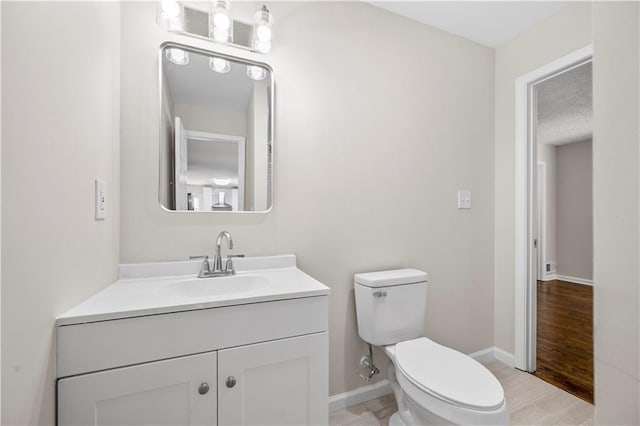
<point>367,362</point>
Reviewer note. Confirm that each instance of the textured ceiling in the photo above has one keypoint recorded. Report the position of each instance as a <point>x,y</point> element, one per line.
<point>565,107</point>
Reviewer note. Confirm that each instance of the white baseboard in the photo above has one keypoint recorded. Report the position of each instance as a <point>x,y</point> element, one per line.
<point>574,280</point>
<point>359,395</point>
<point>504,357</point>
<point>484,355</point>
<point>568,278</point>
<point>382,388</point>
<point>489,354</point>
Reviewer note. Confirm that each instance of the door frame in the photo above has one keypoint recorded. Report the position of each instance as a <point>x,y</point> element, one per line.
<point>525,204</point>
<point>542,219</point>
<point>219,137</point>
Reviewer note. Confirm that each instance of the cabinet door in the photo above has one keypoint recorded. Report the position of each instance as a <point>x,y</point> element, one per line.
<point>283,382</point>
<point>169,392</point>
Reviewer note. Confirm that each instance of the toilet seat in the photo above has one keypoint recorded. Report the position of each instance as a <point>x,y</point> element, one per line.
<point>448,375</point>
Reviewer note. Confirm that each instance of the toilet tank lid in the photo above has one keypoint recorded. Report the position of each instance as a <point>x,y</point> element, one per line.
<point>390,278</point>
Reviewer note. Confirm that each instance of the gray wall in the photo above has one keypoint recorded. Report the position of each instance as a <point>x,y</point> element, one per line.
<point>60,131</point>
<point>616,190</point>
<point>373,137</point>
<point>574,215</point>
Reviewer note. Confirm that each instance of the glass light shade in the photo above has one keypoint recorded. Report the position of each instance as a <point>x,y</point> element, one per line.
<point>262,32</point>
<point>219,65</point>
<point>170,15</point>
<point>256,73</point>
<point>221,36</point>
<point>220,22</point>
<point>263,46</point>
<point>178,56</point>
<point>170,8</point>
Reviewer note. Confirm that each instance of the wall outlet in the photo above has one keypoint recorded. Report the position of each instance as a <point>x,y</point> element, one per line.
<point>101,200</point>
<point>550,267</point>
<point>464,199</point>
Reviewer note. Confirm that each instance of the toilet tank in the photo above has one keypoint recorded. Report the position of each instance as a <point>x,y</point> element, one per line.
<point>390,305</point>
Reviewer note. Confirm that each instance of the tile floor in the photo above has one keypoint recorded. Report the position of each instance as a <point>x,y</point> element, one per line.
<point>531,401</point>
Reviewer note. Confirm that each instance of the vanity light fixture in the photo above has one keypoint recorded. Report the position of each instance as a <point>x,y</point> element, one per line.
<point>256,73</point>
<point>262,30</point>
<point>178,56</point>
<point>219,65</point>
<point>171,15</point>
<point>220,21</point>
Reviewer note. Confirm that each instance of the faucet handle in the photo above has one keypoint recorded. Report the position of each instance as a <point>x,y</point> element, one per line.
<point>229,265</point>
<point>205,264</point>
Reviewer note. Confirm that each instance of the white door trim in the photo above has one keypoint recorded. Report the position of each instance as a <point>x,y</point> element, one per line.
<point>542,219</point>
<point>219,137</point>
<point>525,265</point>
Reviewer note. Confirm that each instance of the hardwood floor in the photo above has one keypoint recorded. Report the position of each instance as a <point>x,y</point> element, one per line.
<point>565,337</point>
<point>530,401</point>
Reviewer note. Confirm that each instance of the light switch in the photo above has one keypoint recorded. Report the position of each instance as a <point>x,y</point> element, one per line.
<point>101,200</point>
<point>464,199</point>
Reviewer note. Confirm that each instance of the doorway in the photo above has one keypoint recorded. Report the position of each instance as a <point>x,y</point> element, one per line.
<point>542,283</point>
<point>564,217</point>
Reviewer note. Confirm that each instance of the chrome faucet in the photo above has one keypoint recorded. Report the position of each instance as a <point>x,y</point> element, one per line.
<point>217,259</point>
<point>218,270</point>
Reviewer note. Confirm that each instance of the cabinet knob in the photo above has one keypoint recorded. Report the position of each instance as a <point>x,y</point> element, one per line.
<point>231,381</point>
<point>204,388</point>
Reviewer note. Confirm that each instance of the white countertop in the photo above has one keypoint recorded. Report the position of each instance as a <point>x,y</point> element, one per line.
<point>156,288</point>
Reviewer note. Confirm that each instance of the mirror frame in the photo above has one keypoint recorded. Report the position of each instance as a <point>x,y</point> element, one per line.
<point>271,132</point>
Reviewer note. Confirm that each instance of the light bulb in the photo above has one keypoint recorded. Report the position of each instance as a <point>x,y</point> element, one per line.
<point>256,73</point>
<point>219,65</point>
<point>170,8</point>
<point>263,46</point>
<point>170,15</point>
<point>263,33</point>
<point>221,20</point>
<point>220,35</point>
<point>178,56</point>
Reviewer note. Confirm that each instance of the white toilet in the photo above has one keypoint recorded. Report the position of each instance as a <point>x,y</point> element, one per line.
<point>433,384</point>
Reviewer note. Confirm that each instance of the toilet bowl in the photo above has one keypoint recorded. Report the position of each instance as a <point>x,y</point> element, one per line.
<point>436,385</point>
<point>432,384</point>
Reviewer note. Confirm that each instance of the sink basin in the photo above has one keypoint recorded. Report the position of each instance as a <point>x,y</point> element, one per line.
<point>218,286</point>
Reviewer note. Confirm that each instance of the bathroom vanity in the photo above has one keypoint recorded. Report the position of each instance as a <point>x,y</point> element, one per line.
<point>163,347</point>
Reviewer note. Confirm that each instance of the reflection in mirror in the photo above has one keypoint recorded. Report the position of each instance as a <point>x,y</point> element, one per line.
<point>215,135</point>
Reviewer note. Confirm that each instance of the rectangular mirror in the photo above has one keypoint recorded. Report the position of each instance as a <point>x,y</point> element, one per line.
<point>215,132</point>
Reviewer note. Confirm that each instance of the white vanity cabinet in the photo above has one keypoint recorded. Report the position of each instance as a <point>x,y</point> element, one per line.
<point>258,360</point>
<point>180,391</point>
<point>274,383</point>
